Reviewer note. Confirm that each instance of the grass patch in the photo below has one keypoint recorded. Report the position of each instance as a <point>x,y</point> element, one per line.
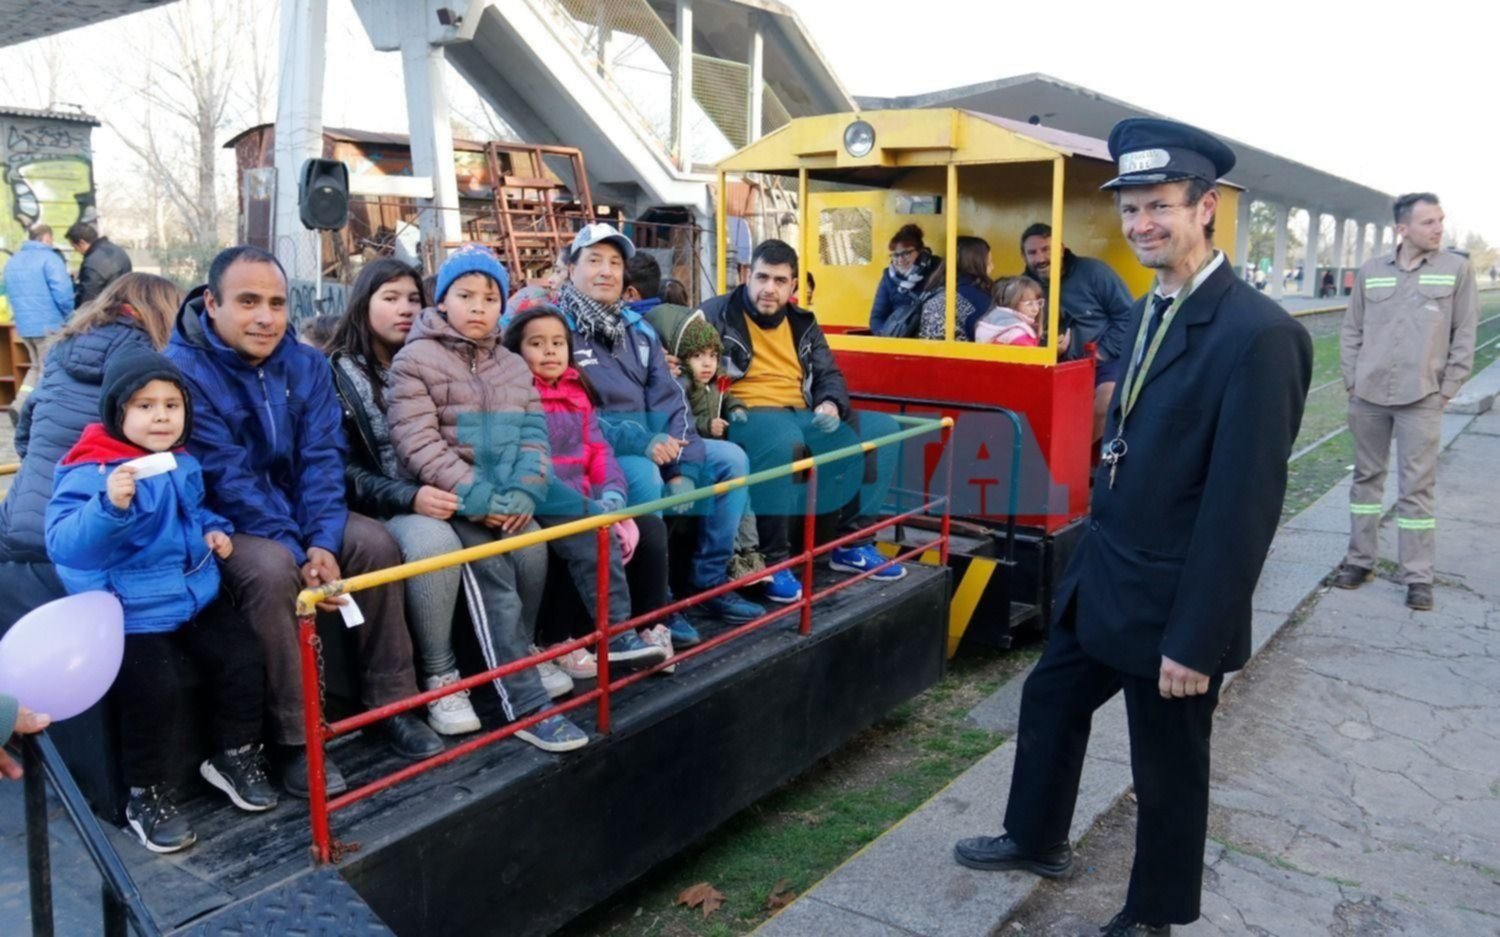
<point>803,831</point>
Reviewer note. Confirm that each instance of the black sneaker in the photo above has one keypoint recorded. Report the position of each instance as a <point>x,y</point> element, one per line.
<point>151,814</point>
<point>241,774</point>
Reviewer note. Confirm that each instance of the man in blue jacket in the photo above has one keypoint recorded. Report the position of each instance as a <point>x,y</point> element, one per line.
<point>644,411</point>
<point>41,299</point>
<point>267,428</point>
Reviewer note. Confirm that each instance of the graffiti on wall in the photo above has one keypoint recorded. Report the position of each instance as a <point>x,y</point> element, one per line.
<point>46,175</point>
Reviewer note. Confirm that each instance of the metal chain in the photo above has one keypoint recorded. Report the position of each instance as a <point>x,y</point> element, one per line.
<point>317,644</point>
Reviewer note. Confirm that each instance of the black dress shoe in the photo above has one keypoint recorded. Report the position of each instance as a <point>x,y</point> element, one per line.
<point>294,775</point>
<point>1124,924</point>
<point>412,738</point>
<point>1419,596</point>
<point>1003,853</point>
<point>1352,577</point>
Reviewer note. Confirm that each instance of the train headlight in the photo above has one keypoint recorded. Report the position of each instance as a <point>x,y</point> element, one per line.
<point>859,139</point>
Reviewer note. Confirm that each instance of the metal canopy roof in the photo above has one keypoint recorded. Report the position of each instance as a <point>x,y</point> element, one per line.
<point>24,20</point>
<point>1058,104</point>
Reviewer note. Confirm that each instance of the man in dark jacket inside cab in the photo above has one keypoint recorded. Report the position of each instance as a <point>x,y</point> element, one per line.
<point>267,428</point>
<point>1155,602</point>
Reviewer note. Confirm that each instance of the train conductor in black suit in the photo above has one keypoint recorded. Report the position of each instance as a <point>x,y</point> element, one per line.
<point>1188,494</point>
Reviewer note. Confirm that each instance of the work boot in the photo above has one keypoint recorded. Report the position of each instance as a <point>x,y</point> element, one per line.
<point>1124,924</point>
<point>294,774</point>
<point>1001,853</point>
<point>411,738</point>
<point>1419,596</point>
<point>1352,577</point>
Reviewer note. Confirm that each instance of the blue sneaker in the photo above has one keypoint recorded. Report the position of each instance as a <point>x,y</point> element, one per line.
<point>732,609</point>
<point>783,587</point>
<point>859,559</point>
<point>630,651</point>
<point>555,734</point>
<point>682,631</point>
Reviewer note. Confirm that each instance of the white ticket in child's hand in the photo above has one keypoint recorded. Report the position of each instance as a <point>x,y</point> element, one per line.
<point>353,617</point>
<point>157,463</point>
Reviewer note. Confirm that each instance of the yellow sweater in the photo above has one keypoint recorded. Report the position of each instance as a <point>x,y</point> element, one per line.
<point>775,375</point>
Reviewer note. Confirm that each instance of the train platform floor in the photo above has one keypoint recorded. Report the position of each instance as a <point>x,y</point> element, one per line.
<point>1355,775</point>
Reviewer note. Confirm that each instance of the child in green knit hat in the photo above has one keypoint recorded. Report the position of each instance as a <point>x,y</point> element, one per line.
<point>700,350</point>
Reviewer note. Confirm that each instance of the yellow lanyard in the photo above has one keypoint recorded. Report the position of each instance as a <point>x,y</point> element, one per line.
<point>1140,365</point>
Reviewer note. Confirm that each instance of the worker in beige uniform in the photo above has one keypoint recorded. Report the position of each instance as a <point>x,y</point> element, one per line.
<point>1407,345</point>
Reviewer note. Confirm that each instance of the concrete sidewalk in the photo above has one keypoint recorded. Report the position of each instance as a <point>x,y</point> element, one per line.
<point>906,882</point>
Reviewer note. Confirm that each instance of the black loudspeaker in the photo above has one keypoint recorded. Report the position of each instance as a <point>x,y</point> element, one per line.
<point>323,195</point>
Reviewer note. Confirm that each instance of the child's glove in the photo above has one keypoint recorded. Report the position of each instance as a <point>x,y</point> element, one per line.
<point>611,502</point>
<point>628,536</point>
<point>681,485</point>
<point>739,415</point>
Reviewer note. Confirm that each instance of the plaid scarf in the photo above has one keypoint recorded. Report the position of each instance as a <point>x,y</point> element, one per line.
<point>600,322</point>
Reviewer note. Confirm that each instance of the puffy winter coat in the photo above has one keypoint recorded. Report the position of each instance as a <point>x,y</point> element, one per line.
<point>40,291</point>
<point>581,457</point>
<point>465,417</point>
<point>51,422</point>
<point>152,554</point>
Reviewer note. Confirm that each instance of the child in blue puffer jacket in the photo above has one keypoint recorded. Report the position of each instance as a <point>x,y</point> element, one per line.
<point>115,525</point>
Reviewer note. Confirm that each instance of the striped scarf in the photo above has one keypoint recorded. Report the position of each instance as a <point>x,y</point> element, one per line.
<point>600,322</point>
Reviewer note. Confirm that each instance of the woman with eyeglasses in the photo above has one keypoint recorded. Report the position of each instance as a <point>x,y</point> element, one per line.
<point>898,302</point>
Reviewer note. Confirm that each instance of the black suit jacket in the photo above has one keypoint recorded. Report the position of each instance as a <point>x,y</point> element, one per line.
<point>1174,550</point>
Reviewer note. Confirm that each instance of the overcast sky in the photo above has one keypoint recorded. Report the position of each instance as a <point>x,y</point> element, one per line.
<point>1398,101</point>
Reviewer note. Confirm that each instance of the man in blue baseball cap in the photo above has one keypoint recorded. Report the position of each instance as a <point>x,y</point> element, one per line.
<point>1155,602</point>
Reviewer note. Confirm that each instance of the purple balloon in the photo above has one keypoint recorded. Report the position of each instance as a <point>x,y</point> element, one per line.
<point>61,658</point>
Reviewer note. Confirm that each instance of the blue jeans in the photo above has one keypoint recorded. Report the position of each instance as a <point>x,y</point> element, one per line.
<point>718,518</point>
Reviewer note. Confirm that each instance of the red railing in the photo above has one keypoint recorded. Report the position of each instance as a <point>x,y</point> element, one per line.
<point>319,732</point>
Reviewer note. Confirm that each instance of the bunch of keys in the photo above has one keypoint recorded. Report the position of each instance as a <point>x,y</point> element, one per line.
<point>1111,454</point>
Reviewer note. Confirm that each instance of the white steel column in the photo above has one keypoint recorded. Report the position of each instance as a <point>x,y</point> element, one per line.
<point>682,93</point>
<point>431,141</point>
<point>1339,224</point>
<point>1242,234</point>
<point>299,130</point>
<point>1361,236</point>
<point>1278,262</point>
<point>756,105</point>
<point>1310,253</point>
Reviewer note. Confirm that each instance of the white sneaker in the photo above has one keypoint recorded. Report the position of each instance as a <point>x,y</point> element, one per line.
<point>578,664</point>
<point>554,681</point>
<point>453,714</point>
<point>659,636</point>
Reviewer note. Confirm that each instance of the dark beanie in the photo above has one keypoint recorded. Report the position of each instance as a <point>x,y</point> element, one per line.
<point>127,371</point>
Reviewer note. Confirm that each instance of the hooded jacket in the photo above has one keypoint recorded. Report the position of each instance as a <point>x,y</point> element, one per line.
<point>151,555</point>
<point>581,457</point>
<point>269,436</point>
<point>465,417</point>
<point>51,422</point>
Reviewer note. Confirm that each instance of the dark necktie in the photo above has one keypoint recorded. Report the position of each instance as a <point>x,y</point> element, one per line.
<point>1159,306</point>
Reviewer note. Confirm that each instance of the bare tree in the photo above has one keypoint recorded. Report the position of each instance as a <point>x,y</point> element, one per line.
<point>188,91</point>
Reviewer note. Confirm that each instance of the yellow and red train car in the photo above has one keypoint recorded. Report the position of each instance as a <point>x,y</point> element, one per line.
<point>1021,499</point>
